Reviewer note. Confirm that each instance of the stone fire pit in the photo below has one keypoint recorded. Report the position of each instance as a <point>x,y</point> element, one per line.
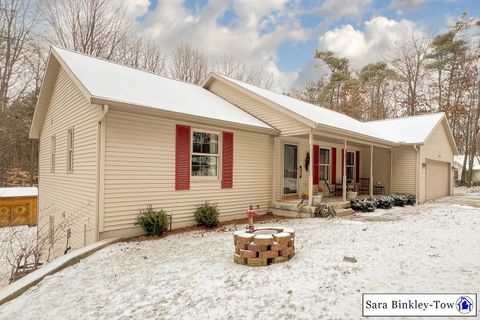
<point>264,246</point>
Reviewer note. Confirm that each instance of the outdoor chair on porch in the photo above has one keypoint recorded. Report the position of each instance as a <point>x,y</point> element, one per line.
<point>364,185</point>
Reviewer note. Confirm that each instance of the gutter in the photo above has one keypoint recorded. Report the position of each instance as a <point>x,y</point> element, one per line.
<point>100,170</point>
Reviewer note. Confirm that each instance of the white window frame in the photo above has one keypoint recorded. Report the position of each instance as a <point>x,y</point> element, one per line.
<point>53,150</point>
<point>329,165</point>
<point>217,155</point>
<point>70,149</point>
<point>352,165</point>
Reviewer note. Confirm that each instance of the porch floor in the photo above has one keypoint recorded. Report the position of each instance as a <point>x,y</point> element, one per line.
<point>290,207</point>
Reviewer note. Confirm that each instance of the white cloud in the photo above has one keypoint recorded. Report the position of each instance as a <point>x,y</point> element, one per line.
<point>377,40</point>
<point>407,4</point>
<point>134,8</point>
<point>253,35</point>
<point>335,9</point>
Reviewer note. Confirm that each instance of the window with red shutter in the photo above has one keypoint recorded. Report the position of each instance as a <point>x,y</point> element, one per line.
<point>315,163</point>
<point>227,160</point>
<point>182,158</point>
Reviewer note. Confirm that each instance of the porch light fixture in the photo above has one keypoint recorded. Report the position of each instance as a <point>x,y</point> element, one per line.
<point>424,165</point>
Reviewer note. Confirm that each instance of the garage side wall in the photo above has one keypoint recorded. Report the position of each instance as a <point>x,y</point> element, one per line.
<point>404,170</point>
<point>140,170</point>
<point>436,148</point>
<point>68,199</point>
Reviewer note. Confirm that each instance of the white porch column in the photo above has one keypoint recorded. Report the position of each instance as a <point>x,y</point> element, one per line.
<point>344,165</point>
<point>371,171</point>
<point>310,170</point>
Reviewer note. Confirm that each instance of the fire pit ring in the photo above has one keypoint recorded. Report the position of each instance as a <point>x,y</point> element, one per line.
<point>264,245</point>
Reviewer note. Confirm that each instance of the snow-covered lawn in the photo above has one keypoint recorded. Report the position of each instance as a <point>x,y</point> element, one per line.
<point>429,248</point>
<point>12,239</point>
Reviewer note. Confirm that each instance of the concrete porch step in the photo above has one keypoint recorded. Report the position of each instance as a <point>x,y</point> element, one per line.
<point>344,212</point>
<point>340,204</point>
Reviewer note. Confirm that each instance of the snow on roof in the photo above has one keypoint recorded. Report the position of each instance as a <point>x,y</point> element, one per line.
<point>317,114</point>
<point>459,160</point>
<point>411,130</point>
<point>18,192</point>
<point>111,81</point>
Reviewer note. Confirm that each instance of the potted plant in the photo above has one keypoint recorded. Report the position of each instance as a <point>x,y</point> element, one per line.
<point>317,198</point>
<point>352,194</point>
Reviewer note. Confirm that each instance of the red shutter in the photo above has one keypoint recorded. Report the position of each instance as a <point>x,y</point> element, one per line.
<point>343,163</point>
<point>315,164</point>
<point>334,165</point>
<point>357,166</point>
<point>182,158</point>
<point>227,160</point>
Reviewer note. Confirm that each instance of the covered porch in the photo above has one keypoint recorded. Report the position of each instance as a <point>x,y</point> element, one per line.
<point>331,165</point>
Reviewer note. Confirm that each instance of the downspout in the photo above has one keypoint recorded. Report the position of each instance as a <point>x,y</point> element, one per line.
<point>417,174</point>
<point>100,170</point>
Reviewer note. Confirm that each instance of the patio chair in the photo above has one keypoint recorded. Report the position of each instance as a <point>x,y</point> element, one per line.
<point>364,187</point>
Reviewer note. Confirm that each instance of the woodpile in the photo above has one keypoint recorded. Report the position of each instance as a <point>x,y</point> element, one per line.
<point>264,246</point>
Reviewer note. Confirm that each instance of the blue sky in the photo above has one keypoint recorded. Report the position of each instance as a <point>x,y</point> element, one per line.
<point>282,35</point>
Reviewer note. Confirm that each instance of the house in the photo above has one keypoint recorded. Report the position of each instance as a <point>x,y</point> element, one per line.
<point>114,139</point>
<point>458,168</point>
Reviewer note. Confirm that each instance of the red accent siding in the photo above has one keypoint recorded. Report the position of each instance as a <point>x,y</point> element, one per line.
<point>182,158</point>
<point>315,164</point>
<point>357,166</point>
<point>343,163</point>
<point>334,165</point>
<point>227,160</point>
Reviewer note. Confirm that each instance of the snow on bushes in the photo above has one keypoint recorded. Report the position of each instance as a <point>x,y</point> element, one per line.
<point>382,202</point>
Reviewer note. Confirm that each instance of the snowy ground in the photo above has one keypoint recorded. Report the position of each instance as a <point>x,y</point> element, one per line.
<point>429,248</point>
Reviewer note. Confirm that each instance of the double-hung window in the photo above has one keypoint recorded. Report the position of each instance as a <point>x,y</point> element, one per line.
<point>350,165</point>
<point>324,165</point>
<point>70,150</point>
<point>205,153</point>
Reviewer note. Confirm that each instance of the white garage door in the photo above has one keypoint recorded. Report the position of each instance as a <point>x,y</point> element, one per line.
<point>437,184</point>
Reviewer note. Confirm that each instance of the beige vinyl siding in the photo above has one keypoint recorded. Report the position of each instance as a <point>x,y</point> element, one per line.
<point>72,195</point>
<point>437,148</point>
<point>404,169</point>
<point>381,166</point>
<point>285,123</point>
<point>140,170</point>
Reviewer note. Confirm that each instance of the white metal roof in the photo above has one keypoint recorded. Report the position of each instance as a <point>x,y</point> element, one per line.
<point>18,192</point>
<point>114,82</point>
<point>409,130</point>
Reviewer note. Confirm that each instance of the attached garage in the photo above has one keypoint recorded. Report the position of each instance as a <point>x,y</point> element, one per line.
<point>437,179</point>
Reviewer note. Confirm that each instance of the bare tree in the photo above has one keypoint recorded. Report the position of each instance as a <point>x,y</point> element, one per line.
<point>408,61</point>
<point>188,64</point>
<point>17,21</point>
<point>228,66</point>
<point>94,27</point>
<point>142,53</point>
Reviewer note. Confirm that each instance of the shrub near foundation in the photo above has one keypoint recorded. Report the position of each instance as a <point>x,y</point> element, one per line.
<point>152,221</point>
<point>206,214</point>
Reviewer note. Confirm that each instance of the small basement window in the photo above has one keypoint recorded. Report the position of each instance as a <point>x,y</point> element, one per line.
<point>204,154</point>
